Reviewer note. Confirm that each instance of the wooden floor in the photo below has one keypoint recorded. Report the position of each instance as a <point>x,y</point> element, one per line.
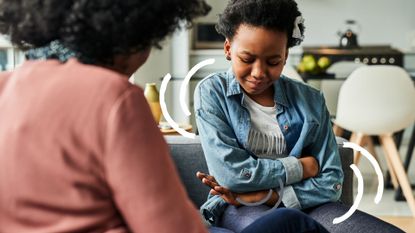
<point>407,224</point>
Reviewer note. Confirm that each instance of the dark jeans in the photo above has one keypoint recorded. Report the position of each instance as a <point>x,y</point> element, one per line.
<point>316,219</point>
<point>280,220</point>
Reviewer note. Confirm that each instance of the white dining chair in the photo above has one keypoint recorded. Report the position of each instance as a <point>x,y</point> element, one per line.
<point>343,69</point>
<point>379,100</point>
<point>330,88</point>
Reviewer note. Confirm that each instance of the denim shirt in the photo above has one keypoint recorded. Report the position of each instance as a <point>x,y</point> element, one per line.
<point>224,123</point>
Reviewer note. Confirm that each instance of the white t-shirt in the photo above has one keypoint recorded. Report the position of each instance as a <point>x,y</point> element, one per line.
<point>265,137</point>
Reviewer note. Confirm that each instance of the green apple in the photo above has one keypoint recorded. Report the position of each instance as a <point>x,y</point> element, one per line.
<point>323,63</point>
<point>310,64</point>
<point>301,67</point>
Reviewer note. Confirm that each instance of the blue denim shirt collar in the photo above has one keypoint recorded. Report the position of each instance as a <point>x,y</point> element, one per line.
<point>233,85</point>
<point>280,96</point>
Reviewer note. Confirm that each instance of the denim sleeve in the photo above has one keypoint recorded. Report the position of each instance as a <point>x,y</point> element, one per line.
<point>231,164</point>
<point>327,185</point>
<point>289,198</point>
<point>293,169</point>
<point>213,209</point>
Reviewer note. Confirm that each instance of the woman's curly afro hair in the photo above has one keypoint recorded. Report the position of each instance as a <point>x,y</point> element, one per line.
<point>277,15</point>
<point>96,30</point>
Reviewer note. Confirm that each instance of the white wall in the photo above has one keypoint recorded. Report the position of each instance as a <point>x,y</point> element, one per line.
<point>382,21</point>
<point>217,8</point>
<point>180,45</point>
<point>157,65</point>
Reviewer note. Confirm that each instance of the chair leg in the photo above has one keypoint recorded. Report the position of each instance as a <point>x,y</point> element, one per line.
<point>358,139</point>
<point>370,147</point>
<point>402,177</point>
<point>338,131</point>
<point>368,142</point>
<point>392,172</point>
<point>353,137</point>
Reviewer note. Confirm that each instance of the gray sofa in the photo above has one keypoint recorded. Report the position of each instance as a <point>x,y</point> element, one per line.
<point>188,157</point>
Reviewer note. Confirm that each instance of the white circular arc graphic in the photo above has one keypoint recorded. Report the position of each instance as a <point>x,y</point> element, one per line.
<point>358,174</point>
<point>186,80</point>
<point>358,197</point>
<point>182,96</point>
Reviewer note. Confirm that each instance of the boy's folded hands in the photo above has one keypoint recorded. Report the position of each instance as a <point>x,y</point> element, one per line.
<point>230,197</point>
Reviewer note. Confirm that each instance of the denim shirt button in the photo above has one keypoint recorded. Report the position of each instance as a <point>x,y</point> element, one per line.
<point>337,186</point>
<point>285,127</point>
<point>246,173</point>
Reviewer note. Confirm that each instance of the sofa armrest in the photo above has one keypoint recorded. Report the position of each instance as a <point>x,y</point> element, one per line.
<point>188,157</point>
<point>346,156</point>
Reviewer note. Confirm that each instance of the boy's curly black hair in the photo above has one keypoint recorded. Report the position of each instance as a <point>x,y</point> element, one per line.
<point>96,30</point>
<point>277,15</point>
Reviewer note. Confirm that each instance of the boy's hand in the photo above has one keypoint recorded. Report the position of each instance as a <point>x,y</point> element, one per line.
<point>216,189</point>
<point>230,197</point>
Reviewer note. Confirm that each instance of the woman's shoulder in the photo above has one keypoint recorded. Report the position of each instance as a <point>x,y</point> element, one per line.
<point>71,71</point>
<point>98,79</point>
<point>4,76</point>
<point>96,73</point>
<point>75,80</point>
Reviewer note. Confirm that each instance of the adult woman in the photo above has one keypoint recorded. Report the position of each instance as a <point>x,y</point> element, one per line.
<point>79,149</point>
<point>258,127</point>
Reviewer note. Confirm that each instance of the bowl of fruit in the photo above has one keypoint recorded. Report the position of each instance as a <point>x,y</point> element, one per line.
<point>314,66</point>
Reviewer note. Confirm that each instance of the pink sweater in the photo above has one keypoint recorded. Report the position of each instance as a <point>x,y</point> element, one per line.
<point>80,152</point>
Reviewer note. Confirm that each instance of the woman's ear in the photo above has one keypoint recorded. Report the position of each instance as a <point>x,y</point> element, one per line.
<point>227,49</point>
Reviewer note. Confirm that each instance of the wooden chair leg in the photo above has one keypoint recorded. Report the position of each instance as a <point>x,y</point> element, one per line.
<point>401,175</point>
<point>368,142</point>
<point>370,147</point>
<point>353,137</point>
<point>358,139</point>
<point>338,131</point>
<point>392,172</point>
